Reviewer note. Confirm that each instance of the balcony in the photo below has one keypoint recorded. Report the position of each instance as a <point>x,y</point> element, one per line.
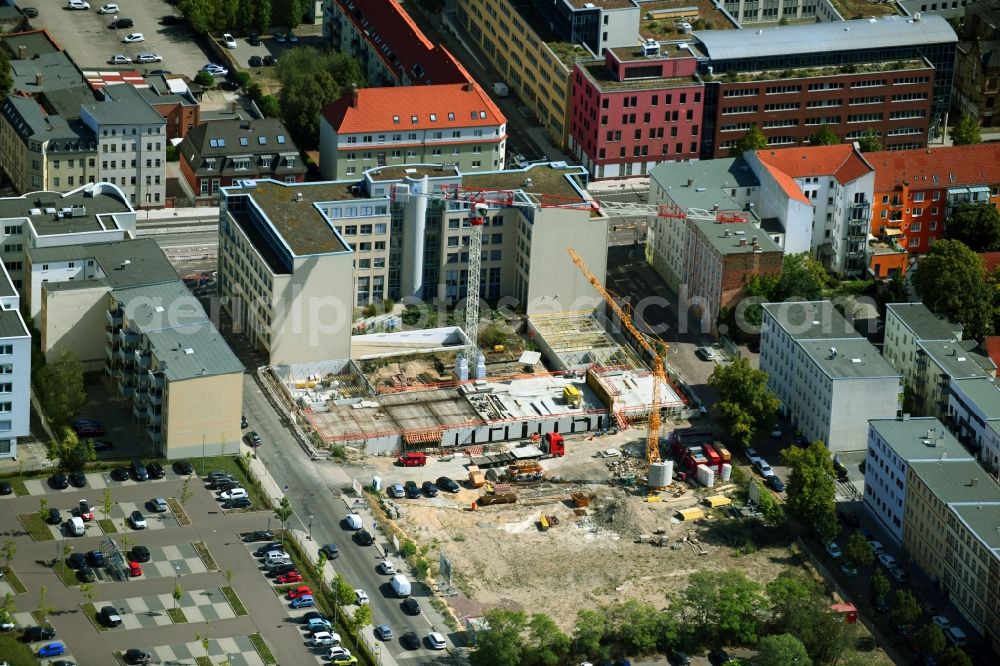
<point>125,389</point>
<point>110,332</point>
<point>155,419</point>
<point>155,397</point>
<point>128,338</point>
<point>142,359</point>
<point>115,317</point>
<point>154,434</point>
<point>155,379</point>
<point>139,410</point>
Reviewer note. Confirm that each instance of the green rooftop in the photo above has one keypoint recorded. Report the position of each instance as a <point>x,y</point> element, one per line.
<point>544,179</point>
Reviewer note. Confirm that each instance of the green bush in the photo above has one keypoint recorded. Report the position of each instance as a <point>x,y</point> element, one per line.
<point>205,80</point>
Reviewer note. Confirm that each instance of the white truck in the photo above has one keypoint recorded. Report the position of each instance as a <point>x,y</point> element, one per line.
<point>500,89</point>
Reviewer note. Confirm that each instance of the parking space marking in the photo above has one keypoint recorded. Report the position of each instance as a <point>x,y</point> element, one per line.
<point>165,562</point>
<point>151,611</point>
<point>154,521</point>
<point>95,481</point>
<point>238,649</point>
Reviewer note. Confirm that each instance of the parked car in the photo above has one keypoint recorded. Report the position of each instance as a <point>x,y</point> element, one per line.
<point>183,467</point>
<point>255,61</point>
<point>261,535</point>
<point>678,658</point>
<point>305,601</point>
<point>849,570</point>
<point>410,606</point>
<point>171,19</point>
<point>58,482</point>
<point>133,37</point>
<point>110,8</point>
<point>103,445</point>
<point>324,639</point>
<point>120,474</point>
<point>449,485</point>
<point>77,4</point>
<point>6,488</point>
<point>158,504</point>
<point>109,616</point>
<point>263,550</point>
<point>436,641</point>
<point>120,24</point>
<point>76,560</point>
<point>254,39</point>
<point>300,591</point>
<point>270,61</point>
<point>134,570</point>
<point>140,554</point>
<point>35,634</point>
<point>877,547</point>
<point>55,517</point>
<point>364,538</point>
<point>235,493</point>
<point>238,503</point>
<point>352,521</point>
<point>776,433</point>
<point>898,575</point>
<point>271,565</point>
<point>228,41</point>
<point>331,551</point>
<point>410,640</point>
<point>718,657</point>
<point>833,550</point>
<point>252,439</point>
<point>752,455</point>
<point>776,484</point>
<point>706,353</point>
<point>395,491</point>
<point>429,489</point>
<point>763,468</point>
<point>86,575</point>
<point>290,577</point>
<point>281,570</point>
<point>386,568</point>
<point>77,479</point>
<point>383,632</point>
<point>139,471</point>
<point>279,36</point>
<point>135,656</point>
<point>887,560</point>
<point>52,650</point>
<point>220,475</point>
<point>215,70</point>
<point>95,558</point>
<point>941,621</point>
<point>137,520</point>
<point>291,37</point>
<point>412,459</point>
<point>880,604</point>
<point>155,469</point>
<point>412,490</point>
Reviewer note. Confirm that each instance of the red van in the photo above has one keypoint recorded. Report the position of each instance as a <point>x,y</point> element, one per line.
<point>413,460</point>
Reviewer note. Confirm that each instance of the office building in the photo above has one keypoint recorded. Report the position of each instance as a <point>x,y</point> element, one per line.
<point>830,379</point>
<point>456,124</point>
<point>977,69</point>
<point>635,107</point>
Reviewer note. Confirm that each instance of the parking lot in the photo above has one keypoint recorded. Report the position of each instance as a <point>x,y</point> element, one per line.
<point>87,37</point>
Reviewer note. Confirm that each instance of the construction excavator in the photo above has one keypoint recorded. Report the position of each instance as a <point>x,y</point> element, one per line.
<point>659,371</point>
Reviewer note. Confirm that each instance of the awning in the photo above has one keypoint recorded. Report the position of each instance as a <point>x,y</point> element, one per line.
<point>892,232</point>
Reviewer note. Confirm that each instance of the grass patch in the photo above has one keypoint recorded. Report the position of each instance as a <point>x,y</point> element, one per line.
<point>90,610</point>
<point>262,649</point>
<point>38,618</point>
<point>203,661</point>
<point>66,575</point>
<point>13,580</point>
<point>14,651</point>
<point>240,469</point>
<point>37,528</point>
<point>234,600</point>
<point>206,556</point>
<point>179,513</point>
<point>18,486</point>
<point>176,615</point>
<point>107,525</point>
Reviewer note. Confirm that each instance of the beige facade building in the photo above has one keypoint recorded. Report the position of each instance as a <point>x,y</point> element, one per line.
<point>295,259</point>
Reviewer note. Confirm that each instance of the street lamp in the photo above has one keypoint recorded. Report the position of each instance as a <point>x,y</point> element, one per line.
<point>310,527</point>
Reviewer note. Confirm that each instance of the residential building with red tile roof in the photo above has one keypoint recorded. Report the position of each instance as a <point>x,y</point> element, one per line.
<point>448,123</point>
<point>820,198</point>
<point>917,190</point>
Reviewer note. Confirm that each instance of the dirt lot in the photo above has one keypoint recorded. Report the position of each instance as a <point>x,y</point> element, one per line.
<point>501,557</point>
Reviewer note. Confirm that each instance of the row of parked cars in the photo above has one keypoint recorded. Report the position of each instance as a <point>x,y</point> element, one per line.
<point>410,490</point>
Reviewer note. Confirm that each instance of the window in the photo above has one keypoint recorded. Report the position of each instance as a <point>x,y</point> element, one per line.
<point>5,406</point>
<point>6,350</point>
<point>12,229</point>
<point>918,197</point>
<point>6,387</point>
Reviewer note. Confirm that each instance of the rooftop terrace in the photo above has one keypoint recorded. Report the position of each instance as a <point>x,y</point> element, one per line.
<point>813,72</point>
<point>91,209</point>
<point>545,179</point>
<point>606,81</point>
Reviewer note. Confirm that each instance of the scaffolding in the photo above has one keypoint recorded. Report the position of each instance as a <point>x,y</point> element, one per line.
<point>579,338</point>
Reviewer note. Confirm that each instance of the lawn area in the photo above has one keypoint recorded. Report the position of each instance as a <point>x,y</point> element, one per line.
<point>203,661</point>
<point>238,467</point>
<point>37,528</point>
<point>179,513</point>
<point>67,575</point>
<point>13,580</point>
<point>234,600</point>
<point>206,557</point>
<point>90,610</point>
<point>16,652</point>
<point>262,649</point>
<point>18,486</point>
<point>107,525</point>
<point>176,615</point>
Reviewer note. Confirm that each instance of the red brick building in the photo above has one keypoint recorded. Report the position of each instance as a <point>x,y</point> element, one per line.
<point>917,190</point>
<point>635,108</point>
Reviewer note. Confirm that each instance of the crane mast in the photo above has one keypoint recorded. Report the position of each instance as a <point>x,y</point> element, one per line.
<point>477,218</point>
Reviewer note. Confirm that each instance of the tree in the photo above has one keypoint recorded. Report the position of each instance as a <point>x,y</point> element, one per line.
<point>754,139</point>
<point>310,80</point>
<point>954,656</point>
<point>951,281</point>
<point>362,616</point>
<point>896,290</point>
<point>59,387</point>
<point>976,225</point>
<point>345,593</point>
<point>791,594</point>
<point>205,80</point>
<point>108,502</point>
<point>8,609</point>
<point>269,106</point>
<point>283,512</point>
<point>288,13</point>
<point>824,137</point>
<point>186,493</point>
<point>966,132</point>
<point>723,605</point>
<point>43,509</point>
<point>6,78</point>
<point>746,407</point>
<point>246,15</point>
<point>197,13</point>
<point>262,15</point>
<point>501,643</point>
<point>588,633</point>
<point>802,278</point>
<point>88,590</point>
<point>634,627</point>
<point>178,593</point>
<point>930,639</point>
<point>811,491</point>
<point>782,650</point>
<point>869,142</point>
<point>72,452</point>
<point>769,507</point>
<point>242,78</point>
<point>857,550</point>
<point>546,645</point>
<point>879,585</point>
<point>906,610</point>
<point>44,608</point>
<point>8,550</point>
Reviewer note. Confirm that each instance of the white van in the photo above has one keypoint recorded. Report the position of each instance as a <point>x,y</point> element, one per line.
<point>400,585</point>
<point>75,526</point>
<point>955,636</point>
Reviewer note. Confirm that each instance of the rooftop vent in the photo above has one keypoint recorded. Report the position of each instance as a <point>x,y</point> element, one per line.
<point>298,196</point>
<point>188,350</point>
<point>833,352</point>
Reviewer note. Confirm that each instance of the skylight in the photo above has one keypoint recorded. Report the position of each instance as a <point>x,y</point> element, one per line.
<point>395,120</point>
<point>413,119</point>
<point>434,117</point>
<point>243,141</point>
<point>262,140</point>
<point>451,115</point>
<point>281,139</point>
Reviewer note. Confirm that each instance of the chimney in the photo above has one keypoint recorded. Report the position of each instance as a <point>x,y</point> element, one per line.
<point>233,106</point>
<point>470,86</point>
<point>354,97</point>
<point>38,78</point>
<point>22,52</point>
<point>690,182</point>
<point>743,242</point>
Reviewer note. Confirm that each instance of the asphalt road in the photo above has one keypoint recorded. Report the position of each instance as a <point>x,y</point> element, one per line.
<point>314,490</point>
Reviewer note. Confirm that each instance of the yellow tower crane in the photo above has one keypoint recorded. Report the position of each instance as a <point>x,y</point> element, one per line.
<point>659,374</point>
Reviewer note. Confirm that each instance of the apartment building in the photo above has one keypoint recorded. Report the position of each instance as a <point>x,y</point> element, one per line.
<point>949,531</point>
<point>892,74</point>
<point>977,69</point>
<point>391,48</point>
<point>916,191</point>
<point>94,213</point>
<point>821,197</point>
<point>830,379</point>
<point>532,58</point>
<point>636,107</point>
<point>454,124</point>
<point>893,445</point>
<point>402,232</point>
<point>714,243</point>
<point>132,142</point>
<point>938,365</point>
<point>183,383</point>
<point>15,370</point>
<point>219,153</point>
<point>974,417</point>
<point>906,325</point>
